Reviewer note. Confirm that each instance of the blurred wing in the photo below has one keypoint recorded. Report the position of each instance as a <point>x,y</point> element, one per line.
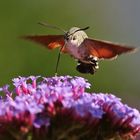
<point>49,41</point>
<point>105,49</point>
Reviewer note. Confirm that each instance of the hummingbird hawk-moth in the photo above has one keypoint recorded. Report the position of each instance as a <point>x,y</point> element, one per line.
<point>85,50</point>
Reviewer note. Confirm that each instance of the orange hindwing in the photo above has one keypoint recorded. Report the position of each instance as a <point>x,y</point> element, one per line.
<point>49,41</point>
<point>105,49</point>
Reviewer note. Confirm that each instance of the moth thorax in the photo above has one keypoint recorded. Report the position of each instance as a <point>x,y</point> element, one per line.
<point>76,36</point>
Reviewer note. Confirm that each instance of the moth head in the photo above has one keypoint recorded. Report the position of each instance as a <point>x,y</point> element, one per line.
<point>75,35</point>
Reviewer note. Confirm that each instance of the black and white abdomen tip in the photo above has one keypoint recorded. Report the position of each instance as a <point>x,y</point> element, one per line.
<point>89,67</point>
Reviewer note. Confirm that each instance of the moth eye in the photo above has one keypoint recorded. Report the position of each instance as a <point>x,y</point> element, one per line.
<point>74,38</point>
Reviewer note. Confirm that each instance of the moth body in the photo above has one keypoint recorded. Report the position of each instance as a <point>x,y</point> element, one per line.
<point>74,39</point>
<point>73,42</point>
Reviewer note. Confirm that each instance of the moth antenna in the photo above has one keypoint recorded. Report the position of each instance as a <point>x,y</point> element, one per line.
<point>81,29</point>
<point>84,28</point>
<point>51,26</point>
<point>58,59</point>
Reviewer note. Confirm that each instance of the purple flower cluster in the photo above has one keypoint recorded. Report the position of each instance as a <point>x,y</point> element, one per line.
<point>59,108</point>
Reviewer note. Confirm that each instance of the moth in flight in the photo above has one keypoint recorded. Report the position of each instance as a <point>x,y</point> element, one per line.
<point>87,51</point>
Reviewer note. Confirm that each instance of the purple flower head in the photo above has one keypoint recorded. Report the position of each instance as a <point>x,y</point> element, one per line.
<point>60,108</point>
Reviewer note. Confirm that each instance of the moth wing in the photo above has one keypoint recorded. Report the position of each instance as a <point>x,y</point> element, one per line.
<point>105,49</point>
<point>48,41</point>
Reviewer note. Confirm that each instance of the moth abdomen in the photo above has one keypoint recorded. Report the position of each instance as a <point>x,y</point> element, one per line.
<point>86,68</point>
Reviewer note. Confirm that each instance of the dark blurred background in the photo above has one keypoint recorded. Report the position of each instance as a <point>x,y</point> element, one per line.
<point>114,20</point>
